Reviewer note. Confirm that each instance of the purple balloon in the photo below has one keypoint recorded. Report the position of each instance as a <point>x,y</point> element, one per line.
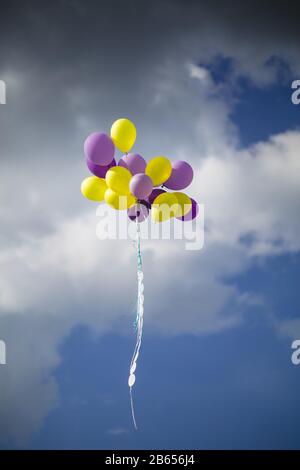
<point>141,185</point>
<point>181,176</point>
<point>99,148</point>
<point>146,203</point>
<point>156,192</point>
<point>133,162</point>
<point>192,214</point>
<point>99,170</point>
<point>139,212</point>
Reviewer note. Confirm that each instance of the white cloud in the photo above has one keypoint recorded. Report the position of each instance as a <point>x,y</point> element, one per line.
<point>49,242</point>
<point>255,192</point>
<point>201,73</point>
<point>251,193</point>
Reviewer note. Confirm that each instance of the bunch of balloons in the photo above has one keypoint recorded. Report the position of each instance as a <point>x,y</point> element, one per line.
<point>132,184</point>
<point>138,187</point>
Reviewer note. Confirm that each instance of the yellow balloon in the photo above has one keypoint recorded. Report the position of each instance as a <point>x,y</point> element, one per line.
<point>184,204</point>
<point>123,134</point>
<point>119,201</point>
<point>118,178</point>
<point>164,207</point>
<point>159,169</point>
<point>93,188</point>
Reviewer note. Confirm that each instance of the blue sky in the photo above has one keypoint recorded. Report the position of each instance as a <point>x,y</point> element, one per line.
<point>274,108</point>
<point>215,369</point>
<point>233,390</point>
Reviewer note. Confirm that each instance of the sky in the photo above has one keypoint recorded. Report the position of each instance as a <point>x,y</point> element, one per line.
<point>207,82</point>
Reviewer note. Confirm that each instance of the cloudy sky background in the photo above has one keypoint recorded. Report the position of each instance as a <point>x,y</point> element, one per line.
<point>209,82</point>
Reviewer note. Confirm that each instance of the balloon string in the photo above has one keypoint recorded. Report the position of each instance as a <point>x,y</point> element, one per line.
<point>139,319</point>
<point>132,408</point>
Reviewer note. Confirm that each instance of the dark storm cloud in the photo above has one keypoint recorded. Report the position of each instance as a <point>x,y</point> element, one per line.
<point>97,58</point>
<point>54,33</point>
